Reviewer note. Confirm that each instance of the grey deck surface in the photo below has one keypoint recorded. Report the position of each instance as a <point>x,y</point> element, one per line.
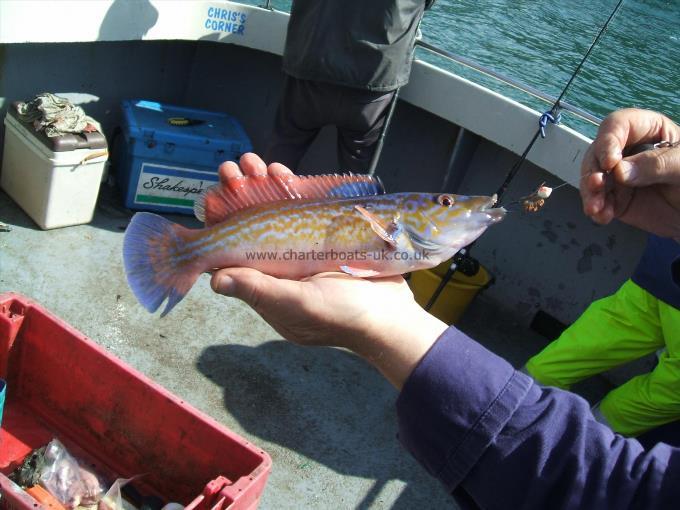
<point>326,418</point>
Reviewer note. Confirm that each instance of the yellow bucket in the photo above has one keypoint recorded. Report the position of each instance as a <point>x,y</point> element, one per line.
<point>456,295</point>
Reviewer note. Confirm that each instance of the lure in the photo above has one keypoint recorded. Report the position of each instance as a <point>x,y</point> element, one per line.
<point>535,201</point>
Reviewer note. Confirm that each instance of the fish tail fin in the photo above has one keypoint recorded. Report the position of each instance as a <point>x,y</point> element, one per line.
<point>153,251</point>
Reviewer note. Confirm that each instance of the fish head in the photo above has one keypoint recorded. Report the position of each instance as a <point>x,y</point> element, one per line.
<point>447,222</point>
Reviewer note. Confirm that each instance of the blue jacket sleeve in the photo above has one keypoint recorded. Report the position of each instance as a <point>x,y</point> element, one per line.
<point>489,431</point>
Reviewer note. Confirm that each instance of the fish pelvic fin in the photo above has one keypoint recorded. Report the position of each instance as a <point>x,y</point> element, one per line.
<point>219,201</point>
<point>155,265</point>
<point>358,272</point>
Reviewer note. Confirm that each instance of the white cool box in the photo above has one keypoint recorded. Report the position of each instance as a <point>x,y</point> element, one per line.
<point>55,181</point>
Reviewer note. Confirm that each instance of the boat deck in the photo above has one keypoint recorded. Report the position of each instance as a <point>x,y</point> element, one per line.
<point>326,418</point>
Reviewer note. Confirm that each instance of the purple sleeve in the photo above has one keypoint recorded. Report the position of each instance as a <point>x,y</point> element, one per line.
<point>483,428</point>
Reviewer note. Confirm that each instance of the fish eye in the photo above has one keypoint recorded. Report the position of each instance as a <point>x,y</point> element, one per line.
<point>445,200</point>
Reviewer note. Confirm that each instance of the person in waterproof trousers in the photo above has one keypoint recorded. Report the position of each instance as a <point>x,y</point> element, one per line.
<point>343,62</point>
<point>492,435</point>
<point>642,317</point>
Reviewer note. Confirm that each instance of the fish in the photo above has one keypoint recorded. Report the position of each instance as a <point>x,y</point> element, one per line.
<point>292,226</point>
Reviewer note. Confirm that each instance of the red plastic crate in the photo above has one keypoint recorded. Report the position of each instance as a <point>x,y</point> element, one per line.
<point>61,384</point>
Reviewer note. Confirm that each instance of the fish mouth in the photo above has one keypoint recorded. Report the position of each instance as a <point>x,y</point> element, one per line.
<point>495,214</point>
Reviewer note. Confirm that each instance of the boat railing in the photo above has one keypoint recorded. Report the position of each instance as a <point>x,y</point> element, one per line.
<point>527,89</point>
<point>523,87</point>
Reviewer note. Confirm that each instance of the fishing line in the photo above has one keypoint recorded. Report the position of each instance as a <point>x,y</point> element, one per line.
<point>553,116</point>
<point>552,190</point>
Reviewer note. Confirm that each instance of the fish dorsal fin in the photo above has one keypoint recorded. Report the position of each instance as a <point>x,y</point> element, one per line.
<point>219,201</point>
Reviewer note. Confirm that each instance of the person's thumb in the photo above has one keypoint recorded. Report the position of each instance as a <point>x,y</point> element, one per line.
<point>260,291</point>
<point>657,166</point>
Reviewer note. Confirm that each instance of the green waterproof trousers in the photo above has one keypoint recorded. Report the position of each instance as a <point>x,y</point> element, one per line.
<point>612,331</point>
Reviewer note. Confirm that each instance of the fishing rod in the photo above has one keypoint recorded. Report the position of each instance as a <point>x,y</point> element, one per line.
<point>381,139</point>
<point>390,109</point>
<point>551,116</point>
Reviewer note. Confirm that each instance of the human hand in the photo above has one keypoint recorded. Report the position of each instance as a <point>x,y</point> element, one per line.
<point>252,165</point>
<point>642,190</point>
<point>376,318</point>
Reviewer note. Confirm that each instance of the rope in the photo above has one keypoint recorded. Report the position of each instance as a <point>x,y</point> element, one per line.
<point>548,117</point>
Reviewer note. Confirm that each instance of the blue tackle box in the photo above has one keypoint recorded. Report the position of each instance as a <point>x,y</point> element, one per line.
<point>169,154</point>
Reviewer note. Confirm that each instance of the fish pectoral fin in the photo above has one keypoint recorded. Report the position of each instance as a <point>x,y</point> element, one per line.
<point>360,273</point>
<point>388,233</point>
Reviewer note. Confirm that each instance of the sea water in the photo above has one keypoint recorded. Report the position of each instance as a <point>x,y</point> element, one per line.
<point>541,42</point>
